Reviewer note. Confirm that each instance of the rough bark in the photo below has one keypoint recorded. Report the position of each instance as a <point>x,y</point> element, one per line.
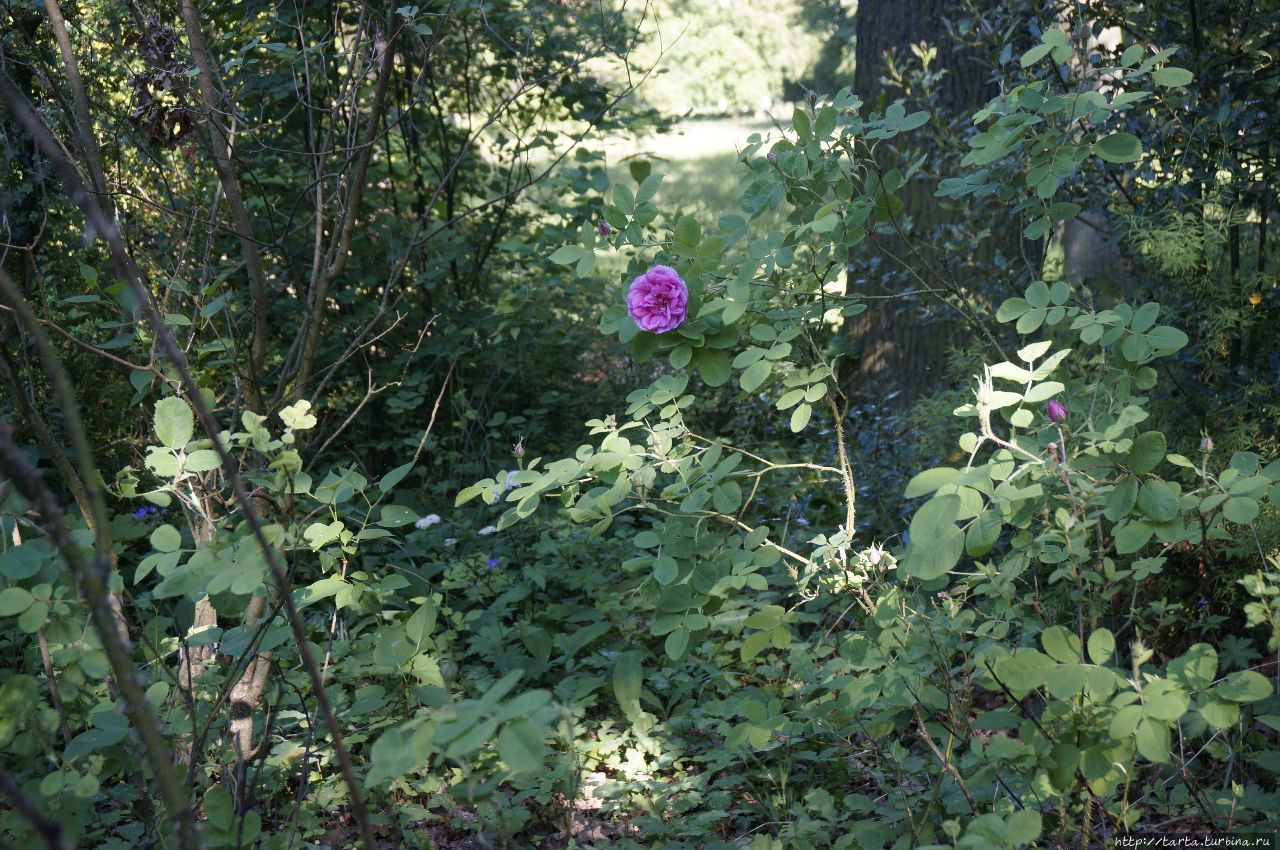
<point>901,341</point>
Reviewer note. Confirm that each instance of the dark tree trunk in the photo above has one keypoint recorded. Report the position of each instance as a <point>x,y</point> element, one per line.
<point>900,343</point>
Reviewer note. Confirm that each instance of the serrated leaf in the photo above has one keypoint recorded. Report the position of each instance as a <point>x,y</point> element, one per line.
<point>1157,501</point>
<point>1147,451</point>
<point>566,255</point>
<point>202,460</point>
<point>714,367</point>
<point>173,422</point>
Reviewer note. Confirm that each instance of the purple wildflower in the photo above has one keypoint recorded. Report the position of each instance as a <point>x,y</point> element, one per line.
<point>1057,411</point>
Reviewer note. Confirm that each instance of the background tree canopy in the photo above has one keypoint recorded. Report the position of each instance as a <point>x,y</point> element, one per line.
<point>684,425</point>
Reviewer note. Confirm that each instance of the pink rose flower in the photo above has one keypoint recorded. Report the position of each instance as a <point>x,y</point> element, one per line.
<point>658,300</point>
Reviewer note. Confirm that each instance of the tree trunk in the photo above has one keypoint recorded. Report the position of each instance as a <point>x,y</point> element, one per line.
<point>901,341</point>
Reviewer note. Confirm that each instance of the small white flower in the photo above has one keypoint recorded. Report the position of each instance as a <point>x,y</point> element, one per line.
<point>450,542</point>
<point>506,480</point>
<point>875,554</point>
<point>427,521</point>
<point>488,529</point>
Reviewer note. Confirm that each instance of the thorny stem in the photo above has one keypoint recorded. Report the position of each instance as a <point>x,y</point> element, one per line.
<point>126,268</point>
<point>93,578</point>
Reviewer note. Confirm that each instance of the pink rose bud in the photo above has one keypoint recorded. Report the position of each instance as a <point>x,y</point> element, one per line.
<point>518,449</point>
<point>1057,411</point>
<point>604,228</point>
<point>658,300</point>
<point>1206,444</point>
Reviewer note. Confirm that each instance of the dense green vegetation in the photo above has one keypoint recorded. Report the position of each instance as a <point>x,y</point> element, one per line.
<point>417,431</point>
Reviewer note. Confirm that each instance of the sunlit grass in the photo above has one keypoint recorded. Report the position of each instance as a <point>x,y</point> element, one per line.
<point>702,175</point>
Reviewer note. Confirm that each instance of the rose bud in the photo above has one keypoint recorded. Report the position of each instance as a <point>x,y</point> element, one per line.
<point>1057,411</point>
<point>604,228</point>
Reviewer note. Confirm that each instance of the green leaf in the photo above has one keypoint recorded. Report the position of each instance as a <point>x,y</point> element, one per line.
<point>800,417</point>
<point>1196,667</point>
<point>218,808</point>
<point>1061,645</point>
<point>19,562</point>
<point>790,399</point>
<point>1132,536</point>
<point>15,600</point>
<point>1023,827</point>
<point>983,532</point>
<point>677,642</point>
<point>32,619</point>
<point>395,476</point>
<point>166,539</point>
<point>754,643</point>
<point>936,542</point>
<point>1240,509</point>
<point>1172,77</point>
<point>628,678</point>
<point>1163,699</point>
<point>396,752</point>
<point>648,188</point>
<point>665,569</point>
<point>520,745</point>
<point>202,460</point>
<point>929,481</point>
<point>714,367</point>
<point>395,516</point>
<point>755,375</point>
<point>688,232</point>
<point>1153,740</point>
<point>566,255</point>
<point>800,121</point>
<point>1219,714</point>
<point>1121,499</point>
<point>1102,645</point>
<point>173,422</point>
<point>1035,54</point>
<point>1148,450</point>
<point>1158,501</point>
<point>19,697</point>
<point>1244,686</point>
<point>1119,148</point>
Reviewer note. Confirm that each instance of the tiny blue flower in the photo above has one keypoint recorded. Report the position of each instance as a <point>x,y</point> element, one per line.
<point>144,511</point>
<point>495,562</point>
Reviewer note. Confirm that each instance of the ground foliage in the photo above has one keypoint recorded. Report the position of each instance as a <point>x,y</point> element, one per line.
<point>305,540</point>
